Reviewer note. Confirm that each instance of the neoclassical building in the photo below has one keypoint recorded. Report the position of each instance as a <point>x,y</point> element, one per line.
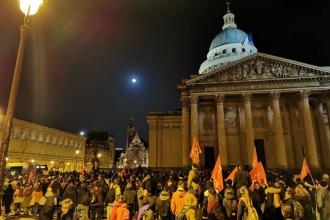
<point>42,145</point>
<point>243,99</point>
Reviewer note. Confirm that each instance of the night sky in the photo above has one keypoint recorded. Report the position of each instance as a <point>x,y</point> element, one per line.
<point>82,54</point>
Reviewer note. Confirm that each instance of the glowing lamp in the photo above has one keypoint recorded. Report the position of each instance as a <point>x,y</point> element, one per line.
<point>7,158</point>
<point>99,155</point>
<point>30,7</point>
<point>77,152</point>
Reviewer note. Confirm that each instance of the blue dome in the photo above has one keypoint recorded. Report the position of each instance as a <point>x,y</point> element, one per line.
<point>228,36</point>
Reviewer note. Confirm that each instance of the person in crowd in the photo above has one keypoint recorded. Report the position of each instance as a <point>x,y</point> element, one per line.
<point>48,208</point>
<point>305,199</point>
<point>242,178</point>
<point>129,197</point>
<point>7,198</point>
<point>246,211</point>
<point>119,210</point>
<point>323,199</point>
<point>258,198</point>
<point>273,202</point>
<point>66,212</point>
<point>177,201</point>
<point>96,206</point>
<point>35,197</point>
<point>163,205</point>
<point>27,198</point>
<point>18,198</point>
<point>291,208</point>
<point>229,201</point>
<point>83,201</point>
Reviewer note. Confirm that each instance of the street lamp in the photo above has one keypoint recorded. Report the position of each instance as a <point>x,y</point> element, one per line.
<point>29,7</point>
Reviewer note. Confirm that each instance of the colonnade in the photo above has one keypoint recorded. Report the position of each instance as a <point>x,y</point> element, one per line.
<point>190,127</point>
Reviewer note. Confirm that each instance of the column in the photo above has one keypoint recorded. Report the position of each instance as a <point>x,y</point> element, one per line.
<point>194,116</point>
<point>185,131</point>
<point>323,134</point>
<point>327,102</point>
<point>310,148</point>
<point>281,157</point>
<point>248,126</point>
<point>221,128</point>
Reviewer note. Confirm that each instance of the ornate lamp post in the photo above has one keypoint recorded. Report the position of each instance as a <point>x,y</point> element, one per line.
<point>29,7</point>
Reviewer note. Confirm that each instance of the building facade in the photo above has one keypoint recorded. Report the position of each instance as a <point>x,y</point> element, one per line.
<point>41,145</point>
<point>243,99</point>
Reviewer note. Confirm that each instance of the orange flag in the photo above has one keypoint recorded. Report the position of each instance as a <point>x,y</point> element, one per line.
<point>255,158</point>
<point>258,174</point>
<point>217,175</point>
<point>304,170</point>
<point>232,174</point>
<point>195,151</point>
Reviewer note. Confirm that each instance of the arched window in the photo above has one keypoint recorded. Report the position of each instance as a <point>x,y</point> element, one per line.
<point>224,51</point>
<point>233,50</point>
<point>243,50</point>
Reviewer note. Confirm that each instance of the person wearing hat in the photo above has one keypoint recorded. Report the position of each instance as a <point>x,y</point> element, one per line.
<point>163,203</point>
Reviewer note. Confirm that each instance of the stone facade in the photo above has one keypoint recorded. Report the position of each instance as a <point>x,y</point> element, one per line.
<point>278,105</point>
<point>57,149</point>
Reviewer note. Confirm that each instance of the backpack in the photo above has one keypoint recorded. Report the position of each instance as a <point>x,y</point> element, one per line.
<point>218,213</point>
<point>164,209</point>
<point>298,210</point>
<point>111,195</point>
<point>251,213</point>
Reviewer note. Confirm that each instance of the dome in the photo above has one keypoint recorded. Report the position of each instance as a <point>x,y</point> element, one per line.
<point>228,36</point>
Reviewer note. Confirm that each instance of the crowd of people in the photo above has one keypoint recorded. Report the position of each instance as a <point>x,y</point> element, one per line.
<point>146,194</point>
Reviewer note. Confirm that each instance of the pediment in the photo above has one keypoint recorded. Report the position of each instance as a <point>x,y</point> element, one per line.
<point>260,67</point>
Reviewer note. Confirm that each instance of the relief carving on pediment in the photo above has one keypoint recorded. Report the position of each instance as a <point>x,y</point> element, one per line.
<point>260,68</point>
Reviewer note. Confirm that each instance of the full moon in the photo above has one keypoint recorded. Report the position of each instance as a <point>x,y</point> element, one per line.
<point>134,80</point>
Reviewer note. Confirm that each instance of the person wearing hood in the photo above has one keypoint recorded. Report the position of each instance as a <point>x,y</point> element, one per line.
<point>163,204</point>
<point>177,201</point>
<point>119,210</point>
<point>291,209</point>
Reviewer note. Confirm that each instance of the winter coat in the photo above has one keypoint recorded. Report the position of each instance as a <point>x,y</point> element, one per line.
<point>18,195</point>
<point>191,176</point>
<point>8,194</point>
<point>322,203</point>
<point>119,212</point>
<point>242,178</point>
<point>229,202</point>
<point>189,205</point>
<point>47,211</point>
<point>129,196</point>
<point>164,197</point>
<point>178,201</point>
<point>69,193</point>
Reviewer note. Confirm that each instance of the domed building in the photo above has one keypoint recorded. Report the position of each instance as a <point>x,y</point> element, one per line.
<point>242,99</point>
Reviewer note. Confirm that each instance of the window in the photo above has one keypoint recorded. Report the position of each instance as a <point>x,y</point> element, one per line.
<point>224,51</point>
<point>243,50</point>
<point>215,54</point>
<point>234,50</point>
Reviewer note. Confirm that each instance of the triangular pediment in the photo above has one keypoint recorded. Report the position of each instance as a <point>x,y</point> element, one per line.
<point>260,67</point>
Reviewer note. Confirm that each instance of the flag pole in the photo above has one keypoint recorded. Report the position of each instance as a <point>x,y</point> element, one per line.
<point>303,152</point>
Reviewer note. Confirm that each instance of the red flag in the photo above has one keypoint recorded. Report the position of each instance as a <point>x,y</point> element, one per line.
<point>304,170</point>
<point>255,158</point>
<point>195,151</point>
<point>217,175</point>
<point>258,174</point>
<point>232,174</point>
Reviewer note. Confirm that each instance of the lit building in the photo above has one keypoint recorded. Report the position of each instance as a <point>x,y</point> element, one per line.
<point>135,153</point>
<point>243,99</point>
<point>40,145</point>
